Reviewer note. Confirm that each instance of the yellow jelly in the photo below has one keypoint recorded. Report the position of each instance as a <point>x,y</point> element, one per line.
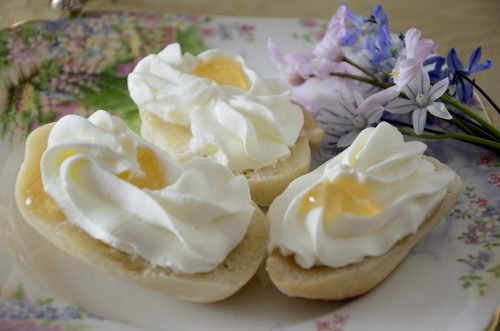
<point>39,202</point>
<point>30,181</point>
<point>223,71</point>
<point>154,178</point>
<point>340,196</point>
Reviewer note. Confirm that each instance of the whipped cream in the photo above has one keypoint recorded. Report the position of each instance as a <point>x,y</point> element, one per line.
<point>125,192</point>
<point>235,116</point>
<point>377,191</point>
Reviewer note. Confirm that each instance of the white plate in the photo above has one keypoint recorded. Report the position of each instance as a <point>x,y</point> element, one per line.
<point>449,282</point>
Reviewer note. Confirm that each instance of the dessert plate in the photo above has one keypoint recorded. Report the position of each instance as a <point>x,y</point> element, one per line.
<point>51,68</point>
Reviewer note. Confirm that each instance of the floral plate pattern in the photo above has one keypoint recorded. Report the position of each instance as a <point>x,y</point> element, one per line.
<point>52,68</point>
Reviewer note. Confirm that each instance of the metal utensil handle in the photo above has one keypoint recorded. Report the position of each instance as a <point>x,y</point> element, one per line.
<point>71,7</point>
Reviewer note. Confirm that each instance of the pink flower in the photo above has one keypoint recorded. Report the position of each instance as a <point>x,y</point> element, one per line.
<point>330,46</point>
<point>340,319</point>
<point>486,159</point>
<point>319,35</point>
<point>481,202</point>
<point>8,325</point>
<point>494,179</point>
<point>123,69</point>
<point>308,23</point>
<point>169,35</point>
<point>417,50</point>
<point>323,326</point>
<point>293,68</point>
<point>208,32</point>
<point>246,29</point>
<point>63,109</point>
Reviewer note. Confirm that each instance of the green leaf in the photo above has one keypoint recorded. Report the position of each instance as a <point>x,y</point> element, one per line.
<point>29,30</point>
<point>190,40</point>
<point>495,271</point>
<point>112,96</point>
<point>18,294</point>
<point>44,302</point>
<point>48,70</point>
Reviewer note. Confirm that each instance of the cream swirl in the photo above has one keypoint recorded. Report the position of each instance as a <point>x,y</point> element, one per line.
<point>235,116</point>
<point>125,192</point>
<point>245,132</point>
<point>165,85</point>
<point>358,204</point>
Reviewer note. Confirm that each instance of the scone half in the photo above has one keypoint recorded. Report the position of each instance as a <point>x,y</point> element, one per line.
<point>218,284</point>
<point>352,280</point>
<point>265,183</point>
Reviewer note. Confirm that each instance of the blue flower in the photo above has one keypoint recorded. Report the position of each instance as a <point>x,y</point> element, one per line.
<point>375,44</point>
<point>374,28</point>
<point>458,73</point>
<point>436,71</point>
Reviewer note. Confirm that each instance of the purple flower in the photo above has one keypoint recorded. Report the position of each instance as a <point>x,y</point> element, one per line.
<point>351,114</point>
<point>480,261</point>
<point>224,32</point>
<point>458,73</point>
<point>421,99</point>
<point>480,232</point>
<point>417,50</point>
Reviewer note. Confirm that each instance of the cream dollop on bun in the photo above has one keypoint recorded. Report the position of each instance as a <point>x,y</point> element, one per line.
<point>360,203</point>
<point>234,116</point>
<point>125,192</point>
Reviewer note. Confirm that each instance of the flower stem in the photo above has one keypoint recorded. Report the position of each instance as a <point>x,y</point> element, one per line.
<point>360,68</point>
<point>460,106</point>
<point>401,123</point>
<point>371,81</point>
<point>460,136</point>
<point>469,126</point>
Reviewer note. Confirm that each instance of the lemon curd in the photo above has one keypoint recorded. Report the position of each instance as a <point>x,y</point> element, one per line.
<point>338,197</point>
<point>223,71</point>
<point>37,201</point>
<point>30,187</point>
<point>154,175</point>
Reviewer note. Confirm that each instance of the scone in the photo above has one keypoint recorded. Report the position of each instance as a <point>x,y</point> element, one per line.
<point>108,197</point>
<point>213,105</point>
<point>340,230</point>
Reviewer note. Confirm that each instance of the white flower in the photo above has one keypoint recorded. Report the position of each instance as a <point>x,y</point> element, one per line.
<point>421,98</point>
